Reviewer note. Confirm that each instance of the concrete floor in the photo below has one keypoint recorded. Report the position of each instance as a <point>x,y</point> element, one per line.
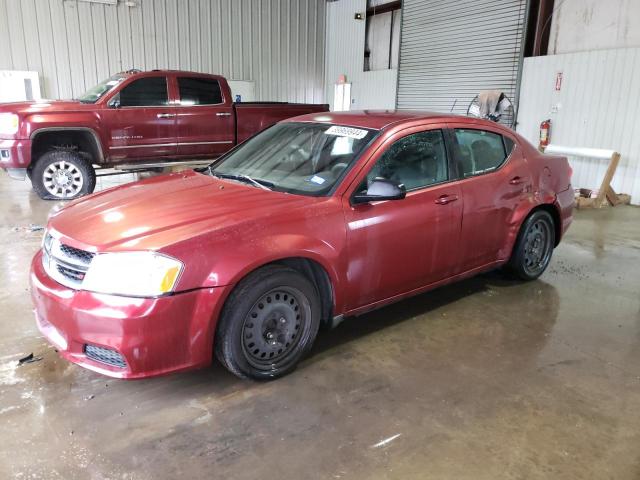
<point>486,379</point>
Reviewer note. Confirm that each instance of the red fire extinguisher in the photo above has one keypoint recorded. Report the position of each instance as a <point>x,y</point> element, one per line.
<point>545,130</point>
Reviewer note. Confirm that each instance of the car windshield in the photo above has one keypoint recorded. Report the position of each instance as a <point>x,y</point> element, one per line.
<point>97,92</point>
<point>302,158</point>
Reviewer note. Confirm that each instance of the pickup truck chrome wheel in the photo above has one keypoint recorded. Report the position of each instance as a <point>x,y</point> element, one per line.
<point>62,175</point>
<point>534,246</point>
<point>268,323</point>
<point>62,179</point>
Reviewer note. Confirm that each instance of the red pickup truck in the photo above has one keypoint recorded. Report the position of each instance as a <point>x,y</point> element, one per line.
<point>130,117</point>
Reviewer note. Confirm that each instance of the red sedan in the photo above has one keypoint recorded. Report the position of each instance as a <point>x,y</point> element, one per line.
<point>316,218</point>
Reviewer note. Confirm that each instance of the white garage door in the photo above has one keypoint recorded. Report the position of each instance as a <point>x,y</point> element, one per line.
<point>452,49</point>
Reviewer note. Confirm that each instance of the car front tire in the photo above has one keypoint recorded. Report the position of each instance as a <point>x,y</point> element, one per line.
<point>268,323</point>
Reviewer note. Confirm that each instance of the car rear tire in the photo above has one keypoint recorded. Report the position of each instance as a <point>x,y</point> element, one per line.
<point>62,175</point>
<point>268,323</point>
<point>534,246</point>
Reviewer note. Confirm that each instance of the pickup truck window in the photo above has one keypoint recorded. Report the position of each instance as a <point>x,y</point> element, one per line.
<point>301,158</point>
<point>199,91</point>
<point>98,91</point>
<point>145,92</point>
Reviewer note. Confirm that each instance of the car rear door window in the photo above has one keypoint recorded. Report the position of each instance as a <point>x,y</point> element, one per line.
<point>416,161</point>
<point>145,92</point>
<point>199,91</point>
<point>479,151</point>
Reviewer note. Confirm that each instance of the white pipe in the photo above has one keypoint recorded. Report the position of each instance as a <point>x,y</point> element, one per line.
<point>579,151</point>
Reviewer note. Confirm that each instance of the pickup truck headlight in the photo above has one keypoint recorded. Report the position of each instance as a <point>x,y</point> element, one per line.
<point>9,123</point>
<point>135,274</point>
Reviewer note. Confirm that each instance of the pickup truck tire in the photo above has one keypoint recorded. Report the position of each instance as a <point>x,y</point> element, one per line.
<point>268,323</point>
<point>534,246</point>
<point>62,175</point>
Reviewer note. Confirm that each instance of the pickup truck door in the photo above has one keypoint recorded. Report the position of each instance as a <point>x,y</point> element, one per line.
<point>397,246</point>
<point>139,121</point>
<point>205,117</point>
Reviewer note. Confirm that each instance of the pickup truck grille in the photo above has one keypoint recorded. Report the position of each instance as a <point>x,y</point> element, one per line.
<point>65,264</point>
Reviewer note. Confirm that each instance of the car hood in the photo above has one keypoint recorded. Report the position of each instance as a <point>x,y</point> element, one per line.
<point>163,210</point>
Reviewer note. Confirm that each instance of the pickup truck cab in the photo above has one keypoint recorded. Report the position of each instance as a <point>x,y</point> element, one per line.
<point>133,116</point>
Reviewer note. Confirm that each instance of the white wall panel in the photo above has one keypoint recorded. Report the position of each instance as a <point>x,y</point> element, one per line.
<point>597,106</point>
<point>345,55</point>
<point>278,44</point>
<point>581,25</point>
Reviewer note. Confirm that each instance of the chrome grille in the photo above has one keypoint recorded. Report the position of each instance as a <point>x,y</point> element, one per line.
<point>65,264</point>
<point>105,355</point>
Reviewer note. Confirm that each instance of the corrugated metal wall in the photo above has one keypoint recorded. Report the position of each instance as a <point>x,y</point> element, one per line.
<point>74,44</point>
<point>452,49</point>
<point>345,55</point>
<point>597,106</point>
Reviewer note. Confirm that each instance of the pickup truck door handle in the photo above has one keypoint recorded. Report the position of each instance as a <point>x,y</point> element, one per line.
<point>445,199</point>
<point>516,180</point>
<point>166,115</point>
<point>223,114</point>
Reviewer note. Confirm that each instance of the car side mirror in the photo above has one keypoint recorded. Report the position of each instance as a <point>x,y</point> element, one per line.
<point>115,102</point>
<point>380,189</point>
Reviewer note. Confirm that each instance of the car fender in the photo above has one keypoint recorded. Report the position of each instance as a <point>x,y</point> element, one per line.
<point>519,215</point>
<point>269,249</point>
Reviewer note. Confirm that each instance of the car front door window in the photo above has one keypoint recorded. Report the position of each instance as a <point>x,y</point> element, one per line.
<point>416,161</point>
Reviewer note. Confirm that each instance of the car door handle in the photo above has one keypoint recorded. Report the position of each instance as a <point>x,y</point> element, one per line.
<point>445,199</point>
<point>223,114</point>
<point>516,181</point>
<point>166,115</point>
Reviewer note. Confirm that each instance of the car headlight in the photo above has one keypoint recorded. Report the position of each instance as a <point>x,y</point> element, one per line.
<point>135,274</point>
<point>9,123</point>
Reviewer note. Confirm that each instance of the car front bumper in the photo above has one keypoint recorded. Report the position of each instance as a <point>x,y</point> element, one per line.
<point>15,156</point>
<point>126,337</point>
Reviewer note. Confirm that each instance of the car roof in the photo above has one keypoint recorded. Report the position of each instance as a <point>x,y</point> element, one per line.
<point>384,119</point>
<point>379,119</point>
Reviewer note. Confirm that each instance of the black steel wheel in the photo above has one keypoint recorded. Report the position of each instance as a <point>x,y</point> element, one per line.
<point>273,328</point>
<point>534,246</point>
<point>268,323</point>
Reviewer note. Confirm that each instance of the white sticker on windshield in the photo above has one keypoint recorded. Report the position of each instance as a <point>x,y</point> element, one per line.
<point>317,179</point>
<point>356,133</point>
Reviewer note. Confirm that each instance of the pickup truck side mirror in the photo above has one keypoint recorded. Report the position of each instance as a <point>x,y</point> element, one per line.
<point>380,189</point>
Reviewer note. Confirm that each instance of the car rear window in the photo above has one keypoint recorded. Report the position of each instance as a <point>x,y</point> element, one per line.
<point>199,91</point>
<point>479,151</point>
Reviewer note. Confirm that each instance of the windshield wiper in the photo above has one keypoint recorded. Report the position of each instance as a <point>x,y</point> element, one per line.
<point>263,184</point>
